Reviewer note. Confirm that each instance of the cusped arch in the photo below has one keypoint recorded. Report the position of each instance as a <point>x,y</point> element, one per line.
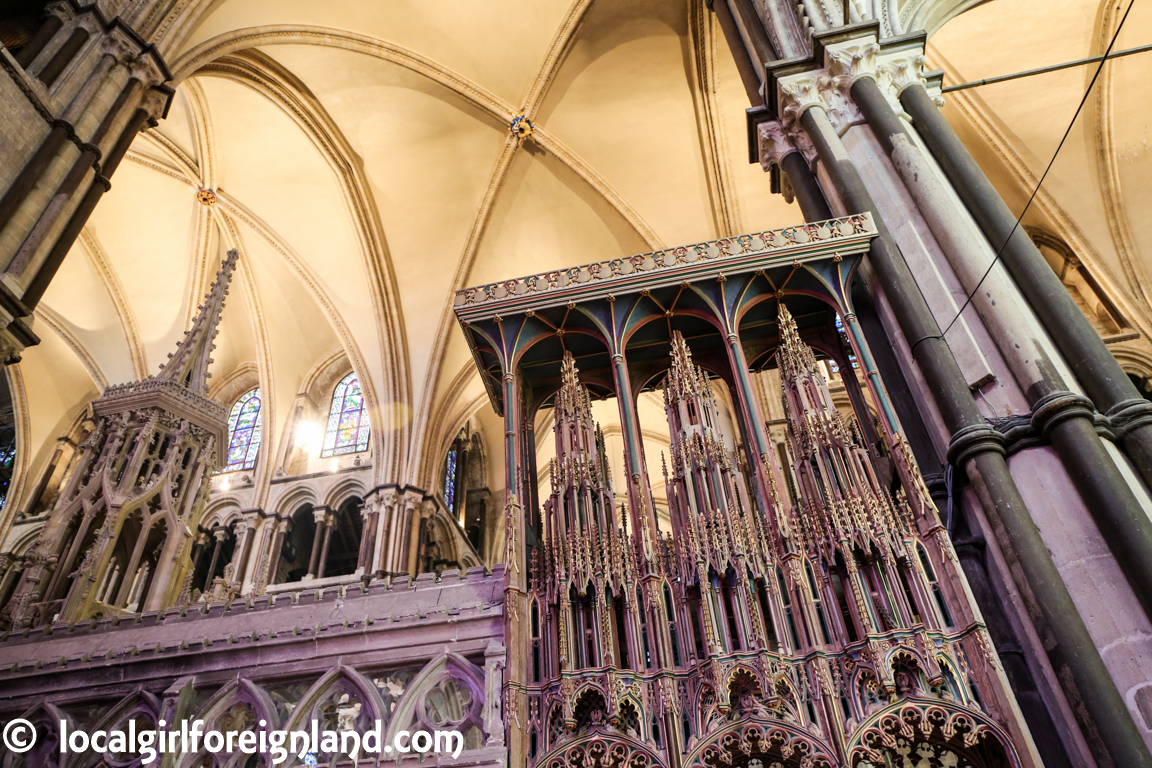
<point>944,726</point>
<point>771,741</point>
<point>598,749</point>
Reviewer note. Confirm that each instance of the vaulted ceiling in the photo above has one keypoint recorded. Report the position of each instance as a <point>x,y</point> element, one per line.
<point>362,163</point>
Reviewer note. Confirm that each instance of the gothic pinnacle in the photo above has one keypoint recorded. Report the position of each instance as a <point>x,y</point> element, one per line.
<point>189,364</point>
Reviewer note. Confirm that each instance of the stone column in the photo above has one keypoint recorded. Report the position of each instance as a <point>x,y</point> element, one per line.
<point>387,502</point>
<point>220,534</point>
<point>319,515</point>
<point>329,524</point>
<point>243,533</point>
<point>975,445</point>
<point>94,72</point>
<point>769,477</point>
<point>642,506</point>
<point>48,29</point>
<point>368,513</point>
<point>273,554</point>
<point>1066,418</point>
<point>1093,365</point>
<point>64,566</point>
<point>515,709</point>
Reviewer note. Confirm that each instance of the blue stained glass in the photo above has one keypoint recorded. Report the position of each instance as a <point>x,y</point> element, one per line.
<point>348,428</point>
<point>244,432</point>
<point>450,481</point>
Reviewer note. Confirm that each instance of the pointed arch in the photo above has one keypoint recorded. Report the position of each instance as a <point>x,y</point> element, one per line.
<point>412,707</point>
<point>347,429</point>
<point>334,683</point>
<point>245,432</point>
<point>240,690</point>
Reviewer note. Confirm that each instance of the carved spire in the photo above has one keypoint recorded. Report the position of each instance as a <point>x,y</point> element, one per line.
<point>794,356</point>
<point>188,365</point>
<point>572,401</point>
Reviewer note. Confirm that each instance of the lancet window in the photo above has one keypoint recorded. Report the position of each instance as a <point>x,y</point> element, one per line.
<point>348,427</point>
<point>244,432</point>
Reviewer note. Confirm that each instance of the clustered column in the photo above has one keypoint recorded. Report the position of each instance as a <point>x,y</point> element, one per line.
<point>975,445</point>
<point>108,86</point>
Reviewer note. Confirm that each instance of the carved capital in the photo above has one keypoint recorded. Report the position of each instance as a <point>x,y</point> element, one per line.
<point>774,144</point>
<point>153,103</point>
<point>799,93</point>
<point>905,70</point>
<point>849,61</point>
<point>61,10</point>
<point>119,46</point>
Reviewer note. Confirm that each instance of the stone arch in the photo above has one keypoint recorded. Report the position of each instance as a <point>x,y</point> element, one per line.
<point>429,695</point>
<point>867,690</point>
<point>136,704</point>
<point>45,753</point>
<point>341,699</point>
<point>770,741</point>
<point>344,490</point>
<point>290,503</point>
<point>223,705</point>
<point>220,512</point>
<point>940,731</point>
<point>586,703</point>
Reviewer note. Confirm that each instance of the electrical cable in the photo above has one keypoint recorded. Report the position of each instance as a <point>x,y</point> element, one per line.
<point>1051,162</point>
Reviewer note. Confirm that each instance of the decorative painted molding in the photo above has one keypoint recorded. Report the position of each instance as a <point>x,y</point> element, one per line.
<point>674,261</point>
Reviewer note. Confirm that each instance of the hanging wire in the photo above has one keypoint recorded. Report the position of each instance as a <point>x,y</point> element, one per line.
<point>1040,183</point>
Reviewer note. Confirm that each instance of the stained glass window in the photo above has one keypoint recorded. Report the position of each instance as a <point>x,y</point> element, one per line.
<point>7,458</point>
<point>347,422</point>
<point>450,480</point>
<point>244,432</point>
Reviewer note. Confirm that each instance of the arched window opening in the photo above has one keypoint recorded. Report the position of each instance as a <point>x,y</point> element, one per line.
<point>211,553</point>
<point>348,428</point>
<point>732,618</point>
<point>244,432</point>
<point>838,589</point>
<point>577,615</point>
<point>451,467</point>
<point>766,612</point>
<point>694,612</point>
<point>930,572</point>
<point>913,606</point>
<point>818,603</point>
<point>536,665</point>
<point>588,608</point>
<point>340,545</point>
<point>293,559</point>
<point>643,629</point>
<point>618,615</point>
<point>794,636</point>
<point>670,616</point>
